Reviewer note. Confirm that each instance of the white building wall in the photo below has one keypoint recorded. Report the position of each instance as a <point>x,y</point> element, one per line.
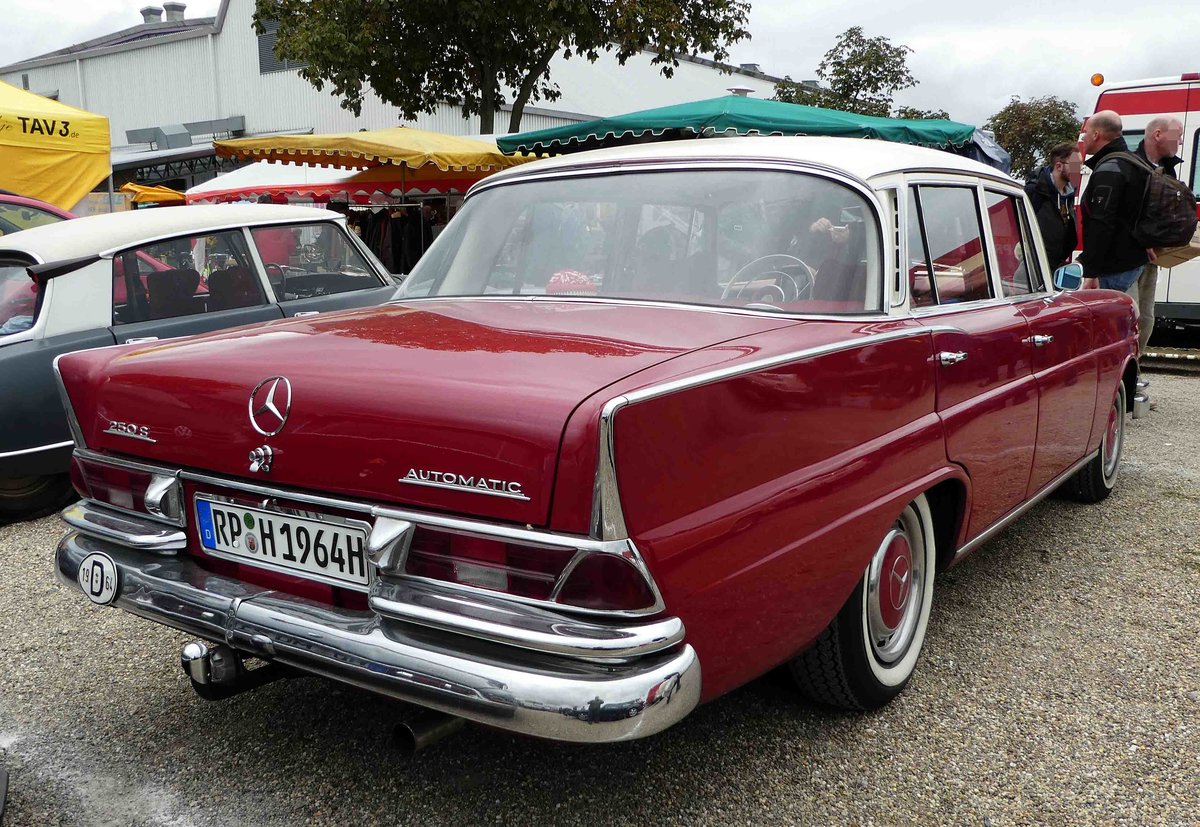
<point>217,76</point>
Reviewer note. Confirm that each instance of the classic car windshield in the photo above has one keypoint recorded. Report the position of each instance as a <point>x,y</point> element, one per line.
<point>779,241</point>
<point>18,298</point>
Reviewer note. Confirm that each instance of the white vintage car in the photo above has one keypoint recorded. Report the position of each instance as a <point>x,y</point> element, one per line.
<point>142,276</point>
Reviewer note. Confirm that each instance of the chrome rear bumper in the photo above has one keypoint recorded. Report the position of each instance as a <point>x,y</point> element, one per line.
<point>495,662</point>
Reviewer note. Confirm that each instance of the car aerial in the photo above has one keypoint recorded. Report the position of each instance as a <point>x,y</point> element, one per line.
<point>642,425</point>
<point>149,275</point>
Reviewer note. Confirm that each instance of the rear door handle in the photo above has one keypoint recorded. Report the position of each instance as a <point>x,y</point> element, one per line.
<point>951,357</point>
<point>305,313</point>
<point>137,340</point>
<point>1040,341</point>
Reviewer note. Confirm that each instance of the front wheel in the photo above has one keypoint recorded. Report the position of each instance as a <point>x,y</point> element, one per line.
<point>26,498</point>
<point>868,653</point>
<point>1096,480</point>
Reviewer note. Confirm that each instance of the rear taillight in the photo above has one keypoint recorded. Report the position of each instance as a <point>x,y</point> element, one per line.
<point>606,581</point>
<point>599,581</point>
<point>140,490</point>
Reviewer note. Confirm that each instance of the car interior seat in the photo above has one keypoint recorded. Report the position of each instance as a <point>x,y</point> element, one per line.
<point>172,293</point>
<point>233,287</point>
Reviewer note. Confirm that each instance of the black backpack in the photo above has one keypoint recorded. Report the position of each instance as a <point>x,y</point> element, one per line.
<point>1167,214</point>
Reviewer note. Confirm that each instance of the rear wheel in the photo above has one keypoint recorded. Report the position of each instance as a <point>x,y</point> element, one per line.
<point>868,653</point>
<point>1096,480</point>
<point>27,498</point>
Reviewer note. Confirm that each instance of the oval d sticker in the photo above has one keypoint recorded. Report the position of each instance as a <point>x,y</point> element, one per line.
<point>98,578</point>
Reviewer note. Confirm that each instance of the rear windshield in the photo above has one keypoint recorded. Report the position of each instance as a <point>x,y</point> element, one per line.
<point>17,217</point>
<point>775,241</point>
<point>18,297</point>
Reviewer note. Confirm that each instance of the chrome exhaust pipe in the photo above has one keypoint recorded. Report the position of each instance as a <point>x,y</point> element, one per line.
<point>424,730</point>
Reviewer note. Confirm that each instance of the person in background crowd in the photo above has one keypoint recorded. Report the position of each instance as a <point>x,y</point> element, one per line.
<point>1053,197</point>
<point>1110,254</point>
<point>1160,149</point>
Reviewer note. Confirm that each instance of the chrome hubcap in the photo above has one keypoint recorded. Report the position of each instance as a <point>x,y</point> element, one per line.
<point>895,586</point>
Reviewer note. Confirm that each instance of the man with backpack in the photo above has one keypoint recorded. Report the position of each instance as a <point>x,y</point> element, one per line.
<point>1053,198</point>
<point>1111,205</point>
<point>1159,149</point>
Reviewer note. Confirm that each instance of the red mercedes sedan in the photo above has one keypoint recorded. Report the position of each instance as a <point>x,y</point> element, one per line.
<point>643,424</point>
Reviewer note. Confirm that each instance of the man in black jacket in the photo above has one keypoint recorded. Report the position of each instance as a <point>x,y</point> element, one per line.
<point>1159,149</point>
<point>1110,206</point>
<point>1053,198</point>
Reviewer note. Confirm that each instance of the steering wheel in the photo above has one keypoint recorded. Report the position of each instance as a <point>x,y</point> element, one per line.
<point>775,266</point>
<point>277,276</point>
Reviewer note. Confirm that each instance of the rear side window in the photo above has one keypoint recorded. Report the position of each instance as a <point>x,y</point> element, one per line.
<point>951,262</point>
<point>184,277</point>
<point>1015,259</point>
<point>307,260</point>
<point>18,296</point>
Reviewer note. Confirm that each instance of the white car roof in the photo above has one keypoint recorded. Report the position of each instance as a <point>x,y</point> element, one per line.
<point>96,234</point>
<point>860,157</point>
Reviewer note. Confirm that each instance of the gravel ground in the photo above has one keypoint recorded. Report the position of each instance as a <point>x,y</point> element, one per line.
<point>1060,685</point>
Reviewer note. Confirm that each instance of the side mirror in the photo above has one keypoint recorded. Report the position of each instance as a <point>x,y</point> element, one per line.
<point>1068,277</point>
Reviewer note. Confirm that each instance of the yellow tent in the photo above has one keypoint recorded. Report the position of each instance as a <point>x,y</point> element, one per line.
<point>417,151</point>
<point>49,150</point>
<point>144,194</point>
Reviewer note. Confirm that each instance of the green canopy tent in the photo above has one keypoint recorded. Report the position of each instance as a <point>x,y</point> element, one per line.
<point>738,115</point>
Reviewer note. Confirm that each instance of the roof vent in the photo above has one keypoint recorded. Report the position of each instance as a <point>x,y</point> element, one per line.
<point>174,11</point>
<point>152,14</point>
<point>740,91</point>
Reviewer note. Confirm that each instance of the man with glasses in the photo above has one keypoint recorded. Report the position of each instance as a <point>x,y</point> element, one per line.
<point>1051,190</point>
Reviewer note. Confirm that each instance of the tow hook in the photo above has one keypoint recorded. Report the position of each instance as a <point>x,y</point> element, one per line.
<point>218,672</point>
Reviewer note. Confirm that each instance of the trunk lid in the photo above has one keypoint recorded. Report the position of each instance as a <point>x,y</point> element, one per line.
<point>458,406</point>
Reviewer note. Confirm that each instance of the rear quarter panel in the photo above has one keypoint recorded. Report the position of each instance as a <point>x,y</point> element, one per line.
<point>757,500</point>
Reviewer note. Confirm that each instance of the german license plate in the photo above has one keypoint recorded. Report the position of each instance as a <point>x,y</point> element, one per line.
<point>325,548</point>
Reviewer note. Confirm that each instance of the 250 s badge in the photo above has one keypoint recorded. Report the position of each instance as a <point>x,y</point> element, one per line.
<point>130,430</point>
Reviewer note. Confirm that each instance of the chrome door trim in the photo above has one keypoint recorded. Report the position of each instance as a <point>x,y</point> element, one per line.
<point>1004,521</point>
<point>25,451</point>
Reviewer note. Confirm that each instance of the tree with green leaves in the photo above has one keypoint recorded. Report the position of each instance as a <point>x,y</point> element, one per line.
<point>860,74</point>
<point>476,53</point>
<point>1029,129</point>
<point>913,113</point>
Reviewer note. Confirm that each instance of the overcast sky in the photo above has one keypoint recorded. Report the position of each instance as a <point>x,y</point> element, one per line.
<point>970,57</point>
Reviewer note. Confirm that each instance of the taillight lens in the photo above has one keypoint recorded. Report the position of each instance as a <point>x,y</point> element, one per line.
<point>496,565</point>
<point>600,581</point>
<point>131,489</point>
<point>606,581</point>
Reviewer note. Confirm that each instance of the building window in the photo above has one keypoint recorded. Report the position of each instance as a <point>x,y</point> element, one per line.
<point>267,61</point>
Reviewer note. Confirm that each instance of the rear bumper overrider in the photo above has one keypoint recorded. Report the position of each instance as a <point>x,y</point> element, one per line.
<point>492,661</point>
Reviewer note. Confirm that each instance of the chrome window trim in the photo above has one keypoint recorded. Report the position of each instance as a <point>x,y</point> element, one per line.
<point>742,163</point>
<point>865,316</point>
<point>608,519</point>
<point>25,451</point>
<point>208,229</point>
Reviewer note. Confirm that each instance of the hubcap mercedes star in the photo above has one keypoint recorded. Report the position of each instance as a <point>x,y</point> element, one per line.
<point>894,589</point>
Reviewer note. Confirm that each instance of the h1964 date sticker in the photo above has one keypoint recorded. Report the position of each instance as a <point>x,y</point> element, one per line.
<point>98,578</point>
